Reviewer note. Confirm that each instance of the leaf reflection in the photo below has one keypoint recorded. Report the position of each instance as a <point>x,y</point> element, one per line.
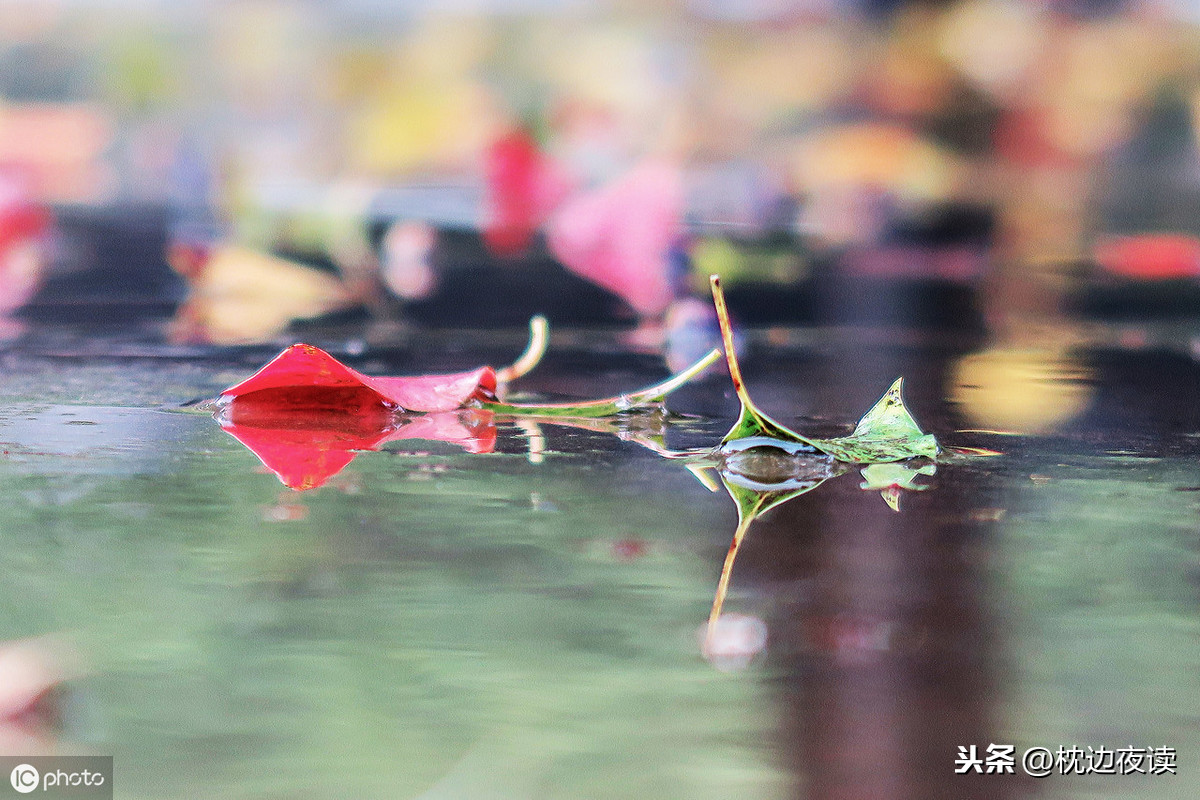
<point>892,480</point>
<point>304,449</point>
<point>760,475</point>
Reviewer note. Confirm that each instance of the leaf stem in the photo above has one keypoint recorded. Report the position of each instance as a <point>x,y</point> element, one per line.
<point>751,422</point>
<point>735,371</point>
<point>612,405</point>
<point>539,337</point>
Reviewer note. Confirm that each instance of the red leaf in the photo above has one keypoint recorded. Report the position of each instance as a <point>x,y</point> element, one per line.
<point>304,377</point>
<point>305,447</point>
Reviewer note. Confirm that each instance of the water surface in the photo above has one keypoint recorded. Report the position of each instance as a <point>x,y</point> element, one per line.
<point>525,623</point>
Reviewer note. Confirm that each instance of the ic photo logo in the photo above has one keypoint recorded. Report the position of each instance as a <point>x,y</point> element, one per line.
<point>54,777</point>
<point>24,778</point>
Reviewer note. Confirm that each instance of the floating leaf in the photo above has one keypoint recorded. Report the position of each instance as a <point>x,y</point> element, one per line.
<point>306,446</point>
<point>887,432</point>
<point>306,377</point>
<point>764,463</point>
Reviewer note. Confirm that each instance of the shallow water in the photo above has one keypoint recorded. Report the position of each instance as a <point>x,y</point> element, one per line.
<point>526,623</point>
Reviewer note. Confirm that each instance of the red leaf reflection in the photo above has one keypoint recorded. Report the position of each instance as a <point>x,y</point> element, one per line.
<point>305,444</point>
<point>35,675</point>
<point>306,378</point>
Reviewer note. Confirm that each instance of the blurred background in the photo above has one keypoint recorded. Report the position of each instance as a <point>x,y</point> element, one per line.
<point>240,164</point>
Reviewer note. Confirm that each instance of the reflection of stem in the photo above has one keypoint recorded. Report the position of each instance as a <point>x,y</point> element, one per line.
<point>700,473</point>
<point>611,405</point>
<point>726,571</point>
<point>536,439</point>
<point>539,337</point>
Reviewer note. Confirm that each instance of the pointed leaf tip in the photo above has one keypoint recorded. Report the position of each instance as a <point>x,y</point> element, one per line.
<point>888,432</point>
<point>889,411</point>
<point>889,415</point>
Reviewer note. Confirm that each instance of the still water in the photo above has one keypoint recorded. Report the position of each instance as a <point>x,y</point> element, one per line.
<point>526,622</point>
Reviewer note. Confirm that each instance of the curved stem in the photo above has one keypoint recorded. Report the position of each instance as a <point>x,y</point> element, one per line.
<point>539,337</point>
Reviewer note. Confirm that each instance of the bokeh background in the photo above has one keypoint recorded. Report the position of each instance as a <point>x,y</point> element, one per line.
<point>469,162</point>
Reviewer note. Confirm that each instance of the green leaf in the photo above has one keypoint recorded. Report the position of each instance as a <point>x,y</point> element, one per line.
<point>610,406</point>
<point>888,432</point>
